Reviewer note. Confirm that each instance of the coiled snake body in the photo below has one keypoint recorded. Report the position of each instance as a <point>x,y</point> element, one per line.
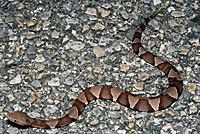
<point>127,99</point>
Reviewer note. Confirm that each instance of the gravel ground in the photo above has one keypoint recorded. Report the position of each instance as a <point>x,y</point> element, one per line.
<point>50,51</point>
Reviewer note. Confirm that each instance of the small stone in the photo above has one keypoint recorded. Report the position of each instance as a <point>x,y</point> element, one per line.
<point>99,52</point>
<point>31,23</point>
<point>173,23</point>
<point>36,83</point>
<point>32,99</point>
<point>124,67</point>
<point>184,51</point>
<point>121,131</point>
<point>131,125</point>
<point>31,35</point>
<point>17,107</point>
<point>94,122</point>
<point>11,97</point>
<point>192,108</point>
<point>104,13</point>
<point>65,39</point>
<point>16,80</point>
<point>55,34</point>
<point>98,26</point>
<point>19,22</point>
<point>31,50</point>
<point>156,2</point>
<point>76,45</point>
<point>69,80</point>
<point>96,111</point>
<point>131,56</point>
<point>39,58</point>
<point>178,13</point>
<point>20,6</point>
<point>97,70</point>
<point>51,109</point>
<point>139,85</point>
<point>114,114</point>
<point>54,82</point>
<point>45,15</point>
<point>170,9</point>
<point>124,14</point>
<point>91,11</point>
<point>12,130</point>
<point>194,42</point>
<point>38,93</point>
<point>192,88</point>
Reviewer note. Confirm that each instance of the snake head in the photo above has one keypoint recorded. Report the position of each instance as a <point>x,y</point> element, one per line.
<point>19,118</point>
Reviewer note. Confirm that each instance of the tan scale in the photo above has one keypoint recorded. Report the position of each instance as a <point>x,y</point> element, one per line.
<point>154,103</point>
<point>52,123</point>
<point>132,101</point>
<point>82,98</point>
<point>174,74</point>
<point>142,51</point>
<point>172,91</point>
<point>158,61</point>
<point>96,90</point>
<point>115,92</point>
<point>73,113</point>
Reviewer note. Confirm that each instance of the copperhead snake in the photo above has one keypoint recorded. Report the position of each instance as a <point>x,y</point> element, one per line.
<point>138,103</point>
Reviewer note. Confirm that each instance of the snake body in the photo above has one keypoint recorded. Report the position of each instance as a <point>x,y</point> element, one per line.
<point>138,103</point>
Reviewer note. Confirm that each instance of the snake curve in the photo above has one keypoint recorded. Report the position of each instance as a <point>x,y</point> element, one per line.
<point>138,103</point>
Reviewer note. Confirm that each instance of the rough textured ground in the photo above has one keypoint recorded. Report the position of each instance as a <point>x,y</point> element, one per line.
<point>52,50</point>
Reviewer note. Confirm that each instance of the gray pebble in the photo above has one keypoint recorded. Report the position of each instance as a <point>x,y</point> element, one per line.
<point>36,83</point>
<point>114,114</point>
<point>51,109</point>
<point>54,82</point>
<point>45,15</point>
<point>12,130</point>
<point>55,34</point>
<point>16,80</point>
<point>96,111</point>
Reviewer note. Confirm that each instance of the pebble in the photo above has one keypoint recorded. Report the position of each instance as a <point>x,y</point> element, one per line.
<point>39,58</point>
<point>45,15</point>
<point>69,80</point>
<point>98,51</point>
<point>184,51</point>
<point>139,85</point>
<point>16,80</point>
<point>55,34</point>
<point>31,23</point>
<point>54,82</point>
<point>91,11</point>
<point>124,14</point>
<point>156,2</point>
<point>178,13</point>
<point>192,108</point>
<point>124,67</point>
<point>12,130</point>
<point>96,112</point>
<point>192,88</point>
<point>36,83</point>
<point>98,26</point>
<point>75,45</point>
<point>104,13</point>
<point>94,122</point>
<point>51,109</point>
<point>114,114</point>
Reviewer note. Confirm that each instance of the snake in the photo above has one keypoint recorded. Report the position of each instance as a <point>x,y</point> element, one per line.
<point>105,92</point>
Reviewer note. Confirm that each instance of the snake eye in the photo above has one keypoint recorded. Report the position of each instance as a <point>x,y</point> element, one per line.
<point>15,120</point>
